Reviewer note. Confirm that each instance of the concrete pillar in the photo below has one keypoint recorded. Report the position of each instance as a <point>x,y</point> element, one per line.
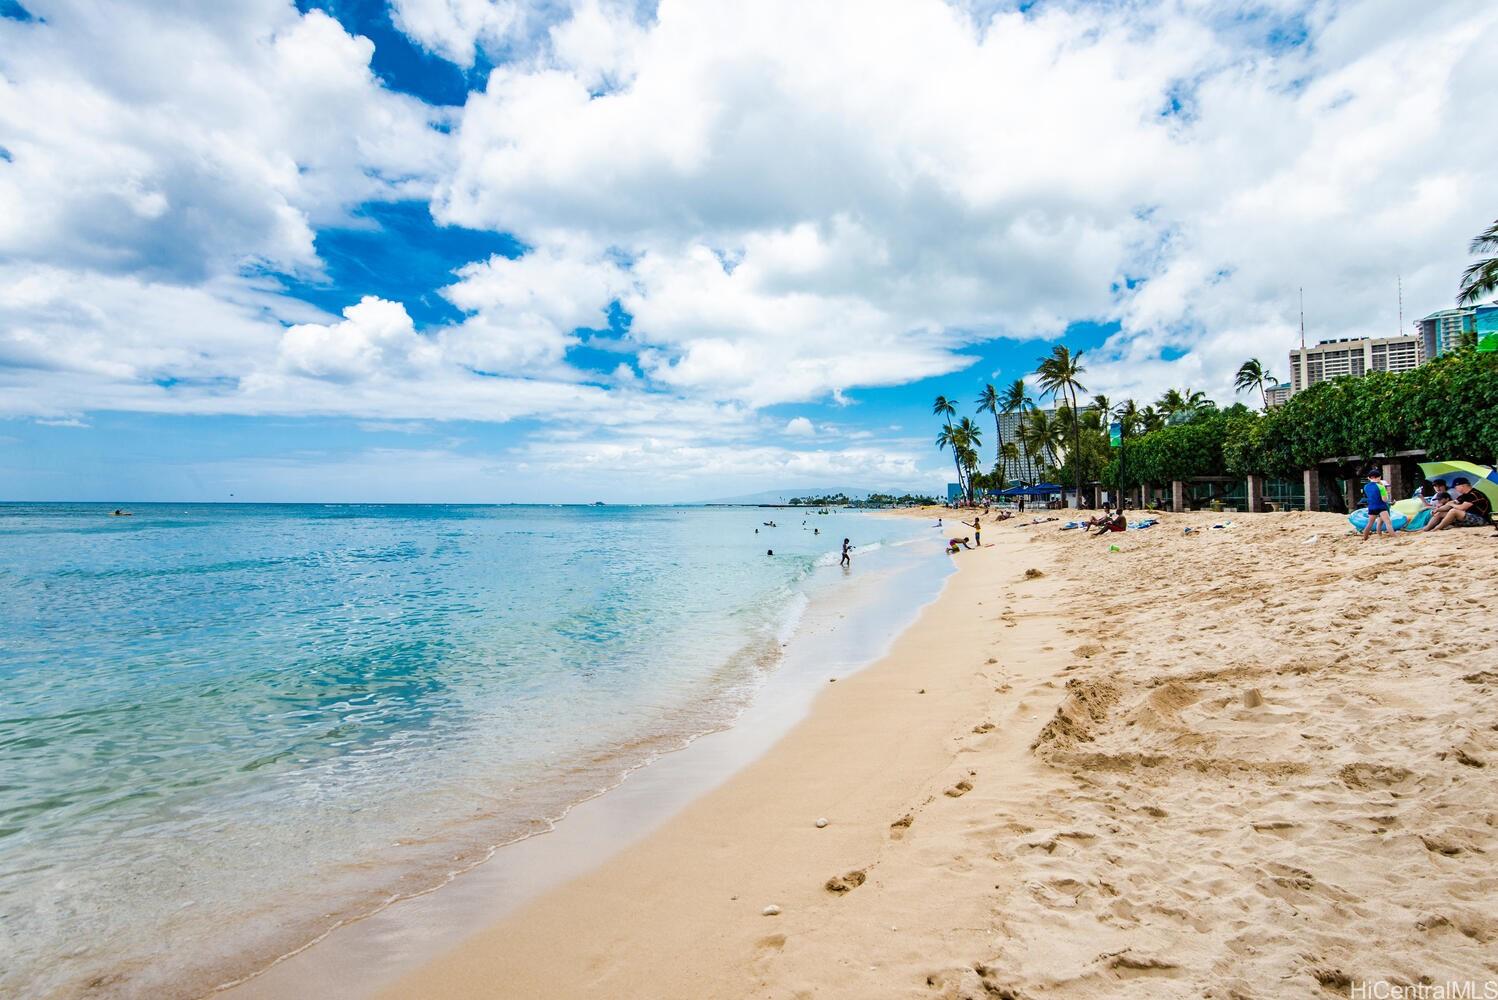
<point>1256,494</point>
<point>1097,498</point>
<point>1312,479</point>
<point>1177,496</point>
<point>1353,492</point>
<point>1394,476</point>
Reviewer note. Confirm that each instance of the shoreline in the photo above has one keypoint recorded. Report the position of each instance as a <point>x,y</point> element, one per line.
<point>361,954</point>
<point>634,926</point>
<point>1202,765</point>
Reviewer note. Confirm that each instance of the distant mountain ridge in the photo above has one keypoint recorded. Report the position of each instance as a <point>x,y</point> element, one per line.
<point>784,496</point>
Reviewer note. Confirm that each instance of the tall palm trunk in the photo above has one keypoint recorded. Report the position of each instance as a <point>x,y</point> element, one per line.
<point>956,460</point>
<point>998,454</point>
<point>1076,429</point>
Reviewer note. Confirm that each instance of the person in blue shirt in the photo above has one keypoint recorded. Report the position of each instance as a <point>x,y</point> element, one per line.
<point>1377,495</point>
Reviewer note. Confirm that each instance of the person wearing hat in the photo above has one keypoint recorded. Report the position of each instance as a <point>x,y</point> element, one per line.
<point>1467,508</point>
<point>1377,495</point>
<point>1433,493</point>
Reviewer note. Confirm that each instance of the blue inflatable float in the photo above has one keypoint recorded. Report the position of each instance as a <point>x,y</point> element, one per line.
<point>1407,515</point>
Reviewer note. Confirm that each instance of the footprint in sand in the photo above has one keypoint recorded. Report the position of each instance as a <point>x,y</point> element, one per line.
<point>840,884</point>
<point>898,827</point>
<point>960,789</point>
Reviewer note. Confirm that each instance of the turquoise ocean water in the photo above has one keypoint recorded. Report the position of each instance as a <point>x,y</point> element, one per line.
<point>224,728</point>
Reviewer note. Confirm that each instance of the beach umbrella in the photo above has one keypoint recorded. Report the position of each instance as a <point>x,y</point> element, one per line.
<point>1481,477</point>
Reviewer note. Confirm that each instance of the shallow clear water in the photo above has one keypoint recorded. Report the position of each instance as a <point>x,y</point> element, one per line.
<point>224,727</point>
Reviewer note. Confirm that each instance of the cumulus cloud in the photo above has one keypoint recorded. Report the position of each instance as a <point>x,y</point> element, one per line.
<point>181,148</point>
<point>792,202</point>
<point>799,427</point>
<point>821,197</point>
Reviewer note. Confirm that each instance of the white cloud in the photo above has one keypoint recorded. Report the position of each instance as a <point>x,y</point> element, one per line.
<point>799,427</point>
<point>456,29</point>
<point>793,201</point>
<point>821,197</point>
<point>181,148</point>
<point>376,337</point>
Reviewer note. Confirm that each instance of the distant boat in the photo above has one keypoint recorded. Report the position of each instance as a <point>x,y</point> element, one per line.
<point>599,503</point>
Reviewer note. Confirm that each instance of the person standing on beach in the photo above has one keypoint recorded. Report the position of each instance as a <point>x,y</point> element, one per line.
<point>977,525</point>
<point>846,560</point>
<point>1378,505</point>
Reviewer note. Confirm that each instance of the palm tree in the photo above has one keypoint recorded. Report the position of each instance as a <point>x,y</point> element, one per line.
<point>944,407</point>
<point>1008,455</point>
<point>945,438</point>
<point>969,436</point>
<point>1175,403</point>
<point>1150,419</point>
<point>1252,374</point>
<point>989,402</point>
<point>1038,431</point>
<point>1017,400</point>
<point>1482,277</point>
<point>1057,376</point>
<point>1102,406</point>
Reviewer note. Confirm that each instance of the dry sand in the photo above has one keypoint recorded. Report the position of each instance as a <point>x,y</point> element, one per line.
<point>1255,762</point>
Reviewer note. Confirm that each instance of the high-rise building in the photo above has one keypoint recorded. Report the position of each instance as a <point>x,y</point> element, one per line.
<point>1353,356</point>
<point>1018,470</point>
<point>1442,332</point>
<point>1275,395</point>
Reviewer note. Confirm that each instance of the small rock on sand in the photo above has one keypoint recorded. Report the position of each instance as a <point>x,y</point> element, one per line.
<point>821,822</point>
<point>771,911</point>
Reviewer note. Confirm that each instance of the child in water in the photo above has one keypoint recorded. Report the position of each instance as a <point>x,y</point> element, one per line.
<point>846,560</point>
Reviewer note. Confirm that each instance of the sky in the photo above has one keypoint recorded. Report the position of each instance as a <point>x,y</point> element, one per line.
<point>567,250</point>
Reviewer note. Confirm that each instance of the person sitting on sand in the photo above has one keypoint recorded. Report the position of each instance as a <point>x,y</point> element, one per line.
<point>1115,522</point>
<point>1468,508</point>
<point>1434,493</point>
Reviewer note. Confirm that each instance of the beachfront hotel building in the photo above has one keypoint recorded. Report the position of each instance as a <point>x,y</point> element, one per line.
<point>1018,470</point>
<point>1442,332</point>
<point>1354,356</point>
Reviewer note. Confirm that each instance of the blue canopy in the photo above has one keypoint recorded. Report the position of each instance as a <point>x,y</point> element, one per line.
<point>1038,490</point>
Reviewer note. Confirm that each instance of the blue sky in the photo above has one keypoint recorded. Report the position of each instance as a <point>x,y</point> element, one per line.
<point>480,250</point>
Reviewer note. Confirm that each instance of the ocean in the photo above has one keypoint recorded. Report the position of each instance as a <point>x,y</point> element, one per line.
<point>225,728</point>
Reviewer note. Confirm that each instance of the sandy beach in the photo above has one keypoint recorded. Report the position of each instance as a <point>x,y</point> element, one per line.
<point>1250,762</point>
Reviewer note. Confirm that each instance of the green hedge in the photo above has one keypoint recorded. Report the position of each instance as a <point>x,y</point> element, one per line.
<point>1448,408</point>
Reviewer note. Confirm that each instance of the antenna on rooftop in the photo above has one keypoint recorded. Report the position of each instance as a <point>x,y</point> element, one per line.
<point>1302,319</point>
<point>1400,331</point>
